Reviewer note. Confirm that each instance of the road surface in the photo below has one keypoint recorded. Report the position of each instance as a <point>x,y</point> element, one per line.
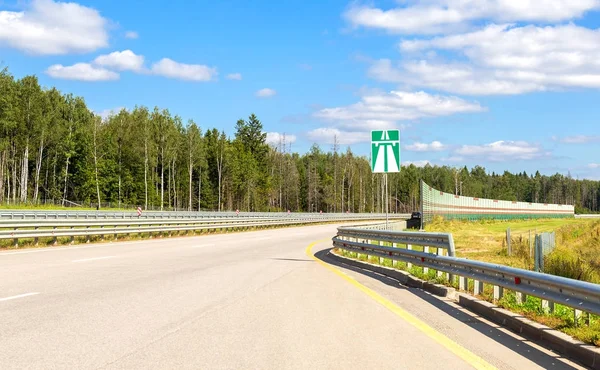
<point>254,300</point>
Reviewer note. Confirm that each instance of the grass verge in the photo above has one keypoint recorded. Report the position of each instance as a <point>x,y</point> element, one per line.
<point>577,253</point>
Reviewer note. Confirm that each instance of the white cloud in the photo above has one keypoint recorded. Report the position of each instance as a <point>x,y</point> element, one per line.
<point>121,60</point>
<point>46,27</point>
<point>327,135</point>
<point>453,159</point>
<point>276,138</point>
<point>234,76</point>
<point>439,16</point>
<point>434,146</point>
<point>421,163</point>
<point>501,59</point>
<point>503,151</point>
<point>594,165</point>
<point>455,78</point>
<point>81,72</point>
<point>106,113</point>
<point>384,110</point>
<point>131,35</point>
<point>580,139</point>
<point>266,93</point>
<point>189,72</point>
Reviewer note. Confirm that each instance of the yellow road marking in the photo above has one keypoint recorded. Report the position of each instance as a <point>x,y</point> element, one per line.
<point>468,356</point>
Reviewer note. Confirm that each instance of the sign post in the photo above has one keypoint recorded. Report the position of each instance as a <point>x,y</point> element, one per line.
<point>385,158</point>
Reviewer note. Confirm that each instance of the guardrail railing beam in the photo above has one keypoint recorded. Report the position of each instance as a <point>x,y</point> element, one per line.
<point>579,295</point>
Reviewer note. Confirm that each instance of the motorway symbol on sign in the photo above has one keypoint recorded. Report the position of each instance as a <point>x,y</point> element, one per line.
<point>385,151</point>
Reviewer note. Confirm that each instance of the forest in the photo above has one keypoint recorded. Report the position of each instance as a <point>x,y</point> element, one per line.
<point>54,150</point>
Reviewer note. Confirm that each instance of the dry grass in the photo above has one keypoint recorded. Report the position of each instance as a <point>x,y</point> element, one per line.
<point>486,240</point>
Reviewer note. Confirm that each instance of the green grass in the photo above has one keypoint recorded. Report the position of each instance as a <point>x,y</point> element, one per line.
<point>486,241</point>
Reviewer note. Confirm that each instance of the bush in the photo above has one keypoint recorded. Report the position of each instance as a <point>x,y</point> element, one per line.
<point>568,263</point>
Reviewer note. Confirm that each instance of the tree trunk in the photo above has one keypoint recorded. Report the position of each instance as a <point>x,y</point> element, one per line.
<point>38,168</point>
<point>174,185</point>
<point>342,202</point>
<point>8,180</point>
<point>190,170</point>
<point>146,173</point>
<point>120,171</point>
<point>220,173</point>
<point>162,177</point>
<point>2,174</point>
<point>169,185</point>
<point>25,173</point>
<point>66,177</point>
<point>54,183</point>
<point>14,175</point>
<point>199,186</point>
<point>96,163</point>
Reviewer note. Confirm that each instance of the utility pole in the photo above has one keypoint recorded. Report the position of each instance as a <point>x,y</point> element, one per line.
<point>455,181</point>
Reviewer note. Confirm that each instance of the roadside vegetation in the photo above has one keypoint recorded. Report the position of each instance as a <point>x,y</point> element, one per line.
<point>577,253</point>
<point>54,148</point>
<point>577,256</point>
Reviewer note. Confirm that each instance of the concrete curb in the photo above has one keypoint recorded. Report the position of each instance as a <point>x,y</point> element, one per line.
<point>576,350</point>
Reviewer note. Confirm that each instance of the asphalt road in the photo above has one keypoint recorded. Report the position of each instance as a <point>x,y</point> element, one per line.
<point>252,300</point>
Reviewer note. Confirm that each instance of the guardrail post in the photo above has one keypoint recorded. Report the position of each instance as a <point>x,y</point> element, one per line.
<point>72,237</point>
<point>36,239</point>
<point>576,316</point>
<point>425,269</point>
<point>16,241</point>
<point>587,319</point>
<point>547,306</point>
<point>102,234</point>
<point>498,292</point>
<point>463,283</point>
<point>394,262</point>
<point>440,252</point>
<point>477,287</point>
<point>55,238</point>
<point>521,297</point>
<point>409,265</point>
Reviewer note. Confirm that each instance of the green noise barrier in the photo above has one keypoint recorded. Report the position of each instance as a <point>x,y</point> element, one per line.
<point>456,207</point>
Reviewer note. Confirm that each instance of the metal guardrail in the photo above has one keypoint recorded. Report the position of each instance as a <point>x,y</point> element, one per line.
<point>68,214</point>
<point>588,216</point>
<point>409,238</point>
<point>579,295</point>
<point>35,229</point>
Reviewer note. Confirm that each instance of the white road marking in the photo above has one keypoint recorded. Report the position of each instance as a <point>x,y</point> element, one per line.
<point>18,296</point>
<point>93,259</point>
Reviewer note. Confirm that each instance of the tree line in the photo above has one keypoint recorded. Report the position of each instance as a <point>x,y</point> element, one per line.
<point>53,149</point>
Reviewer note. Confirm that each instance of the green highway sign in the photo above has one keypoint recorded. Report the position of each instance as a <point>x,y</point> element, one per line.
<point>385,151</point>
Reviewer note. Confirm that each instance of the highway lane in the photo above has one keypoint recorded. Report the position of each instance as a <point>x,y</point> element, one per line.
<point>249,300</point>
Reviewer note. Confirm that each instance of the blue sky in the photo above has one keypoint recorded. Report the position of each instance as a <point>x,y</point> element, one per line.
<point>504,84</point>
